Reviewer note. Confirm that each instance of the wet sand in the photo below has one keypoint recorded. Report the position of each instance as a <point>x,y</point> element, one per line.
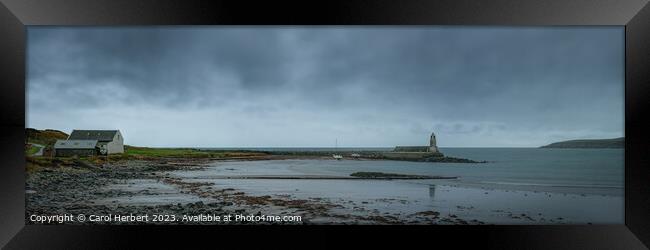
<point>228,187</point>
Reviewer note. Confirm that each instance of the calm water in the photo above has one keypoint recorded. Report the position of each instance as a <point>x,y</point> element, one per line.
<point>575,185</point>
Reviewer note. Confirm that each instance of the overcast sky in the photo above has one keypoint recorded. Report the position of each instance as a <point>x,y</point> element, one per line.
<point>308,86</point>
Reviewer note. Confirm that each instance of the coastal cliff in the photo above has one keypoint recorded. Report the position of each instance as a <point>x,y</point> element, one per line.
<point>590,143</point>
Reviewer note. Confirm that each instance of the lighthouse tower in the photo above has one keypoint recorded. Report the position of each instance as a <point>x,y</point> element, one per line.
<point>432,143</point>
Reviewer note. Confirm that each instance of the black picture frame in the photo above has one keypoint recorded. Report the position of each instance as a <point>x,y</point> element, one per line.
<point>15,15</point>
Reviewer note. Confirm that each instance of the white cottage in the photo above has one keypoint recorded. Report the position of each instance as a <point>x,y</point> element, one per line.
<point>104,142</point>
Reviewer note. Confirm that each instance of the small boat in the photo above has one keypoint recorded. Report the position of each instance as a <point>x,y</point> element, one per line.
<point>336,147</point>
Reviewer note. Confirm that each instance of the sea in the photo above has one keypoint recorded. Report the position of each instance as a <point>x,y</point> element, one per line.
<point>515,186</point>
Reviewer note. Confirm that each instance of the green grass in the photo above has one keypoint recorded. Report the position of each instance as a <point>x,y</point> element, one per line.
<point>32,150</point>
<point>170,152</point>
<point>131,151</point>
<point>141,153</point>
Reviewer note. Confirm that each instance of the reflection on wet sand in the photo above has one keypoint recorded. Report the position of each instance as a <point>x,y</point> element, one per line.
<point>432,192</point>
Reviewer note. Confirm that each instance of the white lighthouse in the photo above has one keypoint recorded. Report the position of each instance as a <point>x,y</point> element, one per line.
<point>432,143</point>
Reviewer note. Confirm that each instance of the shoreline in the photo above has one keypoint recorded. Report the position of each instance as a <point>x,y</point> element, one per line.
<point>111,187</point>
<point>319,177</point>
<point>74,189</point>
<point>80,190</point>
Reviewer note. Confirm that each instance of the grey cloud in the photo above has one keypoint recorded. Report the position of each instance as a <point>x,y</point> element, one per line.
<point>536,79</point>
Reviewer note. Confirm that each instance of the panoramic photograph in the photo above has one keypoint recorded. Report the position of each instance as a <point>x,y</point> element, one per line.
<point>328,125</point>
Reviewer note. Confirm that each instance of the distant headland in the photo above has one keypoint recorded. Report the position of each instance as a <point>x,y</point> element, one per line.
<point>589,143</point>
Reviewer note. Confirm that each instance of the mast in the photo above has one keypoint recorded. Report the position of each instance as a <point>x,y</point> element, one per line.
<point>336,148</point>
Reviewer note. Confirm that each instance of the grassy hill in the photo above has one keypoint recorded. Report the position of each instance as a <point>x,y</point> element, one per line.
<point>590,143</point>
<point>45,137</point>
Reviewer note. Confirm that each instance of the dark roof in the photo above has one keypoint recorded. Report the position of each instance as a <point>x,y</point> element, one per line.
<point>100,135</point>
<point>75,144</point>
